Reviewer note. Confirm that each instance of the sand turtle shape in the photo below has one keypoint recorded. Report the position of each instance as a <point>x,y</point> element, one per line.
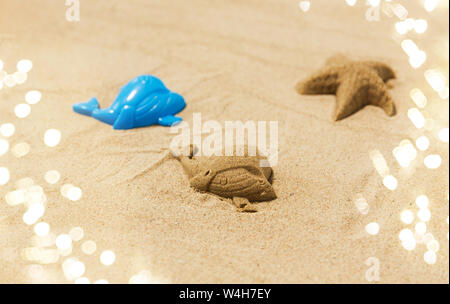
<point>240,178</point>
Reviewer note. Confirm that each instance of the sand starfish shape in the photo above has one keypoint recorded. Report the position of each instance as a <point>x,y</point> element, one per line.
<point>356,84</point>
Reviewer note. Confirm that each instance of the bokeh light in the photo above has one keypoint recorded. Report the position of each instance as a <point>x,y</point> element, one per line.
<point>437,80</point>
<point>52,137</point>
<point>20,77</point>
<point>7,129</point>
<point>52,176</point>
<point>42,229</point>
<point>430,5</point>
<point>433,246</point>
<point>424,215</point>
<point>421,228</point>
<point>34,212</point>
<point>443,135</point>
<point>82,280</point>
<point>107,257</point>
<point>422,143</point>
<point>88,247</point>
<point>379,162</point>
<point>420,26</point>
<point>24,65</point>
<point>416,118</point>
<point>143,277</point>
<point>20,149</point>
<point>74,193</point>
<point>430,257</point>
<point>73,268</point>
<point>390,182</point>
<point>4,176</point>
<point>422,201</point>
<point>407,239</point>
<point>405,153</point>
<point>433,161</point>
<point>9,81</point>
<point>362,205</point>
<point>372,228</point>
<point>33,97</point>
<point>407,217</point>
<point>16,197</point>
<point>304,5</point>
<point>22,110</point>
<point>63,242</point>
<point>419,98</point>
<point>76,233</point>
<point>4,146</point>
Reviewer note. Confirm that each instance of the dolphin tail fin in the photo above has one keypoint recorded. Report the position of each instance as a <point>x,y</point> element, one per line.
<point>169,120</point>
<point>86,108</point>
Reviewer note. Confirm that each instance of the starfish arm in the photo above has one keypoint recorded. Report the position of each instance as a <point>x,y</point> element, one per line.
<point>383,70</point>
<point>349,96</point>
<point>360,87</point>
<point>379,96</point>
<point>323,82</point>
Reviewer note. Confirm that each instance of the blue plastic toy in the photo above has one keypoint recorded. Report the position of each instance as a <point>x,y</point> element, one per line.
<point>142,102</point>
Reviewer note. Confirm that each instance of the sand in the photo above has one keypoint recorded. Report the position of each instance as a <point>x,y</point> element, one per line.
<point>231,60</point>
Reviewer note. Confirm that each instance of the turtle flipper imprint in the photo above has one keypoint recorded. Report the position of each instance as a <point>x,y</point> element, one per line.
<point>244,205</point>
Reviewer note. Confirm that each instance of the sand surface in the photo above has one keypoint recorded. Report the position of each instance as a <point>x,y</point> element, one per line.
<point>231,60</point>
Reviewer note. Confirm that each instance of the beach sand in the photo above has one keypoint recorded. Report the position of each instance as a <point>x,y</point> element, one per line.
<point>231,60</point>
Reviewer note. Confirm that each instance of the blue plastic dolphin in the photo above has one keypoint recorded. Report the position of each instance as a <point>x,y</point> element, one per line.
<point>142,102</point>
